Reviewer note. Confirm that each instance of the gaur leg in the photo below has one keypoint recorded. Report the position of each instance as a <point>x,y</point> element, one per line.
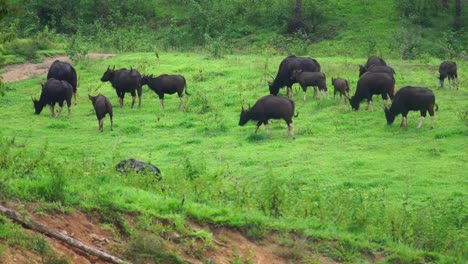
<point>181,97</point>
<point>291,130</point>
<point>315,96</point>
<point>112,123</point>
<point>59,110</point>
<point>423,117</point>
<point>370,105</point>
<point>288,91</point>
<point>161,102</point>
<point>101,124</point>
<point>432,114</point>
<point>257,126</point>
<point>139,92</point>
<point>304,90</point>
<point>51,107</point>
<point>133,98</point>
<point>267,128</point>
<point>74,97</point>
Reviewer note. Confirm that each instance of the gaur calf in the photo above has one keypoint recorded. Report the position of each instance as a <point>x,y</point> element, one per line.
<point>315,79</point>
<point>341,86</point>
<point>269,107</point>
<point>102,106</point>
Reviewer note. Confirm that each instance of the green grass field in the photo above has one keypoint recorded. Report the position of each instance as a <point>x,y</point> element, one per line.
<point>346,176</point>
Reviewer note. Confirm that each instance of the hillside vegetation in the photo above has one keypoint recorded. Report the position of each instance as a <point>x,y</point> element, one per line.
<point>348,189</point>
<point>390,28</point>
<point>347,177</point>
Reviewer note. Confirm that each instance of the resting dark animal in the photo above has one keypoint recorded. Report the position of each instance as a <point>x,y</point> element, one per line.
<point>448,69</point>
<point>341,86</point>
<point>102,106</point>
<point>315,79</point>
<point>166,84</point>
<point>54,91</point>
<point>124,81</point>
<point>286,68</point>
<point>371,61</point>
<point>130,165</point>
<point>63,71</point>
<point>269,107</point>
<point>373,83</point>
<point>408,99</point>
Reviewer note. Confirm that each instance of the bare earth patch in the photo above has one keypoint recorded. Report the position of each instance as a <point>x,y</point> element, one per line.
<point>23,71</point>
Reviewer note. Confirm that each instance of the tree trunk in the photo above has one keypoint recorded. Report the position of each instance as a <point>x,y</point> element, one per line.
<point>298,10</point>
<point>445,3</point>
<point>296,22</point>
<point>41,228</point>
<point>458,15</point>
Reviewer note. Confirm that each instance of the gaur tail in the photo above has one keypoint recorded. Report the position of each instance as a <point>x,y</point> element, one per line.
<point>185,90</point>
<point>436,107</point>
<point>294,108</point>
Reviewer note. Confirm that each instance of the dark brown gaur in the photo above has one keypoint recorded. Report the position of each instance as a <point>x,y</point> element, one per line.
<point>269,107</point>
<point>448,69</point>
<point>54,91</point>
<point>102,106</point>
<point>372,83</point>
<point>341,86</point>
<point>411,98</point>
<point>285,70</point>
<point>371,61</point>
<point>166,84</point>
<point>64,71</point>
<point>124,81</point>
<point>315,79</point>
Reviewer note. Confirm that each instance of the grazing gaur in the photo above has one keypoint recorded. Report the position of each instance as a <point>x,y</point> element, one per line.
<point>340,86</point>
<point>63,71</point>
<point>315,79</point>
<point>54,91</point>
<point>102,106</point>
<point>124,81</point>
<point>372,83</point>
<point>166,84</point>
<point>448,69</point>
<point>269,107</point>
<point>129,165</point>
<point>286,68</point>
<point>411,98</point>
<point>371,61</point>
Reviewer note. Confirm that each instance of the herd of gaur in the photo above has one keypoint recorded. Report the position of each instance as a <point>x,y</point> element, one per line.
<point>375,78</point>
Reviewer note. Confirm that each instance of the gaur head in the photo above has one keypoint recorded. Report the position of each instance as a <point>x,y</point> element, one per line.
<point>388,114</point>
<point>353,101</point>
<point>244,116</point>
<point>108,74</point>
<point>37,106</point>
<point>274,89</point>
<point>145,79</point>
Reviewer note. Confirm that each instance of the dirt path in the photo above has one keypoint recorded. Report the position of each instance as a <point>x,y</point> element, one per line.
<point>23,71</point>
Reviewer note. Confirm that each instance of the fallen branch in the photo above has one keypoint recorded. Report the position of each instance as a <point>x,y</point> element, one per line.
<point>39,227</point>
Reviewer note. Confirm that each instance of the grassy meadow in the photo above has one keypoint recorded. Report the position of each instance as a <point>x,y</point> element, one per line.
<point>346,177</point>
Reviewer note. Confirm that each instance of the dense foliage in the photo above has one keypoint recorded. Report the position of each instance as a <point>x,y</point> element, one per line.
<point>392,28</point>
